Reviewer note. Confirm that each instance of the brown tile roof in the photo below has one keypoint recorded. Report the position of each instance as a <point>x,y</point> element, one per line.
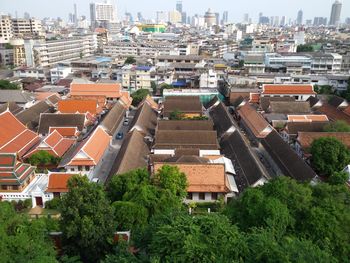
<point>11,106</point>
<point>30,117</point>
<point>204,140</point>
<point>255,122</point>
<point>290,89</point>
<point>254,97</point>
<point>107,90</point>
<point>184,104</point>
<point>151,102</point>
<point>295,127</point>
<point>307,118</point>
<point>222,118</point>
<point>202,178</point>
<point>126,99</point>
<point>145,119</point>
<point>114,117</point>
<point>77,106</point>
<point>305,139</point>
<point>185,125</point>
<point>333,113</point>
<point>265,101</point>
<point>288,107</point>
<point>48,120</point>
<point>58,183</point>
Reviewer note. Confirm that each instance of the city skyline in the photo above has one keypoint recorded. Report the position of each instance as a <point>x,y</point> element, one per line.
<point>252,7</point>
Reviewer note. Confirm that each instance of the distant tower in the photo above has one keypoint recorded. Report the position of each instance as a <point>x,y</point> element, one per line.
<point>300,17</point>
<point>335,13</point>
<point>210,18</point>
<point>179,6</point>
<point>75,15</point>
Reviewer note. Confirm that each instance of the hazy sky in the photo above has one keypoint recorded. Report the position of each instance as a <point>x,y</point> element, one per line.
<point>236,8</point>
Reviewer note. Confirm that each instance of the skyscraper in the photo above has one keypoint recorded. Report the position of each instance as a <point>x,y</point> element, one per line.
<point>225,17</point>
<point>300,17</point>
<point>75,15</point>
<point>246,18</point>
<point>102,14</point>
<point>335,13</point>
<point>179,6</point>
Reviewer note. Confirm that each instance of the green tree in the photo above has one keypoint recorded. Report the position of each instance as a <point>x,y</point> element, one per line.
<point>305,48</point>
<point>154,87</point>
<point>129,216</point>
<point>323,89</point>
<point>23,241</point>
<point>87,220</point>
<point>176,115</point>
<point>338,178</point>
<point>138,96</point>
<point>7,85</point>
<point>329,155</point>
<point>43,158</point>
<point>130,60</point>
<point>338,126</point>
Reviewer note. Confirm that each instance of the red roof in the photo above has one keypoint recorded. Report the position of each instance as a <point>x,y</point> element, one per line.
<point>58,182</point>
<point>80,106</point>
<point>107,90</point>
<point>289,89</point>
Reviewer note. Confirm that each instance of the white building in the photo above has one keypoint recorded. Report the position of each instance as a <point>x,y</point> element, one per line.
<point>6,32</point>
<point>59,73</point>
<point>101,14</point>
<point>209,80</point>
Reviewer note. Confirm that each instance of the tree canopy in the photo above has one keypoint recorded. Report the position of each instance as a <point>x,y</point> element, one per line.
<point>43,158</point>
<point>337,126</point>
<point>305,48</point>
<point>139,95</point>
<point>130,60</point>
<point>5,84</point>
<point>329,155</point>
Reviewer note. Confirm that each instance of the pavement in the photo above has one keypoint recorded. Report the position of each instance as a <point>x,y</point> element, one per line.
<point>104,167</point>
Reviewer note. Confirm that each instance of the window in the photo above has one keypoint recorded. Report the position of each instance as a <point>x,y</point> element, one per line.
<point>189,196</point>
<point>87,168</point>
<point>80,168</point>
<point>72,169</point>
<point>201,196</point>
<point>214,196</point>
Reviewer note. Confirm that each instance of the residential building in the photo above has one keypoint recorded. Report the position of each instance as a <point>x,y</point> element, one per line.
<point>298,91</point>
<point>58,73</point>
<point>208,80</point>
<point>102,14</point>
<point>335,13</point>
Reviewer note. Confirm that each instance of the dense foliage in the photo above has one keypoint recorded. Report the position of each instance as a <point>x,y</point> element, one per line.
<point>329,155</point>
<point>138,96</point>
<point>43,158</point>
<point>337,126</point>
<point>130,60</point>
<point>5,84</point>
<point>305,48</point>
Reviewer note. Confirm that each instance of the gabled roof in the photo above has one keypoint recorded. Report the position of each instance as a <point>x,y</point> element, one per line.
<point>132,155</point>
<point>145,119</point>
<point>30,117</point>
<point>151,102</point>
<point>305,139</point>
<point>107,90</point>
<point>255,122</point>
<point>307,118</point>
<point>65,131</point>
<point>286,158</point>
<point>114,117</point>
<point>14,136</point>
<point>58,182</point>
<point>202,178</point>
<point>336,102</point>
<point>184,104</point>
<point>18,96</point>
<point>333,113</point>
<point>265,101</point>
<point>222,119</point>
<point>288,107</point>
<point>288,89</point>
<point>12,171</point>
<point>48,120</point>
<point>295,127</point>
<point>204,140</point>
<point>92,149</point>
<point>185,125</point>
<point>78,106</point>
<point>10,106</point>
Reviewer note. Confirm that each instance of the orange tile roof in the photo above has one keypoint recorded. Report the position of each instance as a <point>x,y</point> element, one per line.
<point>96,89</point>
<point>254,98</point>
<point>207,178</point>
<point>45,95</point>
<point>347,110</point>
<point>255,122</point>
<point>126,99</point>
<point>290,89</point>
<point>53,138</point>
<point>65,131</point>
<point>307,118</point>
<point>80,106</point>
<point>305,139</point>
<point>14,136</point>
<point>94,148</point>
<point>151,102</point>
<point>58,183</point>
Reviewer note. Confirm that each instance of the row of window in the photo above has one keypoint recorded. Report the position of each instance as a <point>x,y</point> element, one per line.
<point>201,196</point>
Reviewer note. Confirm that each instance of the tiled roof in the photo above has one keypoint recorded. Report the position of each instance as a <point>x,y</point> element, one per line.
<point>290,89</point>
<point>203,178</point>
<point>14,136</point>
<point>184,104</point>
<point>145,119</point>
<point>58,182</point>
<point>289,107</point>
<point>114,117</point>
<point>254,97</point>
<point>255,122</point>
<point>96,89</point>
<point>65,131</point>
<point>77,106</point>
<point>48,120</point>
<point>307,118</point>
<point>333,113</point>
<point>185,125</point>
<point>305,139</point>
<point>295,127</point>
<point>11,106</point>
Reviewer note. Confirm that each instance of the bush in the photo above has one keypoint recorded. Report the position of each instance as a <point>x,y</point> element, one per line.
<point>53,204</point>
<point>28,203</point>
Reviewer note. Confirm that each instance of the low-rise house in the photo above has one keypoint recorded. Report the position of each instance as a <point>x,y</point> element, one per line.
<point>333,113</point>
<point>14,136</point>
<point>114,118</point>
<point>188,107</point>
<point>11,107</point>
<point>305,139</point>
<point>289,107</point>
<point>72,122</point>
<point>299,91</point>
<point>222,119</point>
<point>58,184</point>
<point>184,125</point>
<point>79,106</point>
<point>290,132</point>
<point>145,120</point>
<point>88,153</point>
<point>23,99</point>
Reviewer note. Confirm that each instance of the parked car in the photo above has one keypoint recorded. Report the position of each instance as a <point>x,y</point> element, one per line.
<point>119,136</point>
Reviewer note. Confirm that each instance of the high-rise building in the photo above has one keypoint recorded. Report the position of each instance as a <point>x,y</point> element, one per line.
<point>276,21</point>
<point>26,15</point>
<point>161,17</point>
<point>175,17</point>
<point>75,15</point>
<point>335,13</point>
<point>320,21</point>
<point>183,17</point>
<point>217,18</point>
<point>347,21</point>
<point>300,17</point>
<point>210,18</point>
<point>140,17</point>
<point>225,17</point>
<point>179,6</point>
<point>101,14</point>
<point>283,21</point>
<point>246,18</point>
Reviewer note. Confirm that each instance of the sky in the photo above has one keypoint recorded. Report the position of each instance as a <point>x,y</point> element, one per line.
<point>236,9</point>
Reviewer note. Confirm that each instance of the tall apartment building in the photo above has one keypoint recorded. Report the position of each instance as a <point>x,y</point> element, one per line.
<point>335,13</point>
<point>102,14</point>
<point>6,32</point>
<point>49,53</point>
